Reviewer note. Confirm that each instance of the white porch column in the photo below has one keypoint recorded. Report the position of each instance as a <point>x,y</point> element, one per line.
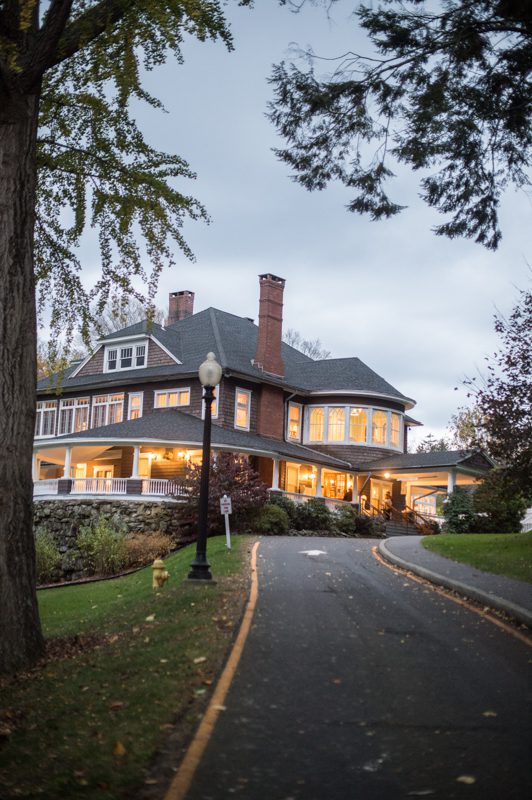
<point>136,456</point>
<point>451,481</point>
<point>319,492</point>
<point>275,476</point>
<point>36,466</point>
<point>355,489</point>
<point>68,454</point>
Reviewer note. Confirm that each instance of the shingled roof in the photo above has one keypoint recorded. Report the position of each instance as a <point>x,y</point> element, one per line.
<point>438,458</point>
<point>233,340</point>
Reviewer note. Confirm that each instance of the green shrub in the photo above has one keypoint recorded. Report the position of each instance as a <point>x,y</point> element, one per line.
<point>313,516</point>
<point>351,522</point>
<point>271,518</point>
<point>287,505</point>
<point>459,512</point>
<point>143,548</point>
<point>102,547</point>
<point>47,556</point>
<point>499,504</point>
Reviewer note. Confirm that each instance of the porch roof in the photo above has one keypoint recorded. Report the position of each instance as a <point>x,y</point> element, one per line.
<point>170,426</point>
<point>475,460</point>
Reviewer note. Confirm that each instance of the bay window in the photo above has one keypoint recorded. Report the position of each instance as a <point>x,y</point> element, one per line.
<point>378,427</point>
<point>348,425</point>
<point>358,425</point>
<point>316,425</point>
<point>395,431</point>
<point>336,425</point>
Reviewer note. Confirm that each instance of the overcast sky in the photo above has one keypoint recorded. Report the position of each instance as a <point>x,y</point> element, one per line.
<point>418,309</point>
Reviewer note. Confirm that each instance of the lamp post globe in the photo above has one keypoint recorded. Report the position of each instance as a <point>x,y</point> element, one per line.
<point>210,374</point>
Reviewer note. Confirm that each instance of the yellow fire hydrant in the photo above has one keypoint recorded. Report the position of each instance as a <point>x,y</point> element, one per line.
<point>160,575</point>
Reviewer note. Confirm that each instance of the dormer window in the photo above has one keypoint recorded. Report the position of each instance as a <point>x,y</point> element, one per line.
<point>127,356</point>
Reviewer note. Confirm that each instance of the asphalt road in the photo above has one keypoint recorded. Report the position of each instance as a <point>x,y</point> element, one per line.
<point>356,683</point>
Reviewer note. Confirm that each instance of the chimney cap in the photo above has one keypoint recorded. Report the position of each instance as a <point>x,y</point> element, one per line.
<point>180,294</point>
<point>269,276</point>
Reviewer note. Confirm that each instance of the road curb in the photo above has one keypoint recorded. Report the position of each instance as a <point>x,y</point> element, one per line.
<point>522,615</point>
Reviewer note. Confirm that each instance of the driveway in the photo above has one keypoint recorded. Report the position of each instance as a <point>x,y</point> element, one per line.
<point>356,683</point>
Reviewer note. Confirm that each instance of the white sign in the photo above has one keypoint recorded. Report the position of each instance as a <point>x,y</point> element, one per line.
<point>225,505</point>
<point>226,508</point>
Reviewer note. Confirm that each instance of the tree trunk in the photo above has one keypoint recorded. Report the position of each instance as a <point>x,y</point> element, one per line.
<point>21,641</point>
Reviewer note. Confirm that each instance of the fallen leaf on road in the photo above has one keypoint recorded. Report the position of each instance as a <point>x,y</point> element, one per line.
<point>116,705</point>
<point>489,713</point>
<point>200,660</point>
<point>469,779</point>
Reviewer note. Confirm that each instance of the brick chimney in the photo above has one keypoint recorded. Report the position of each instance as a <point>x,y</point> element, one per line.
<point>268,355</point>
<point>180,305</point>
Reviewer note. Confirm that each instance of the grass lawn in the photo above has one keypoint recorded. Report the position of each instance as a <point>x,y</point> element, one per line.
<point>88,723</point>
<point>503,553</point>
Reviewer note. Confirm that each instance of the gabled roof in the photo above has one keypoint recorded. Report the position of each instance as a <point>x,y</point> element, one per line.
<point>172,426</point>
<point>234,340</point>
<point>437,458</point>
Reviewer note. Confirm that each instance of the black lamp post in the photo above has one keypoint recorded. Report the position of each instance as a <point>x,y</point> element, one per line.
<point>210,373</point>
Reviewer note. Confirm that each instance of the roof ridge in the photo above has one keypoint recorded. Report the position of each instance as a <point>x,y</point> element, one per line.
<point>217,337</point>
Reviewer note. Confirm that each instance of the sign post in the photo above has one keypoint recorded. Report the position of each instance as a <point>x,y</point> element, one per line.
<point>226,509</point>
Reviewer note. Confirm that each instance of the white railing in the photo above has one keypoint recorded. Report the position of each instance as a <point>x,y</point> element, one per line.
<point>526,525</point>
<point>99,486</point>
<point>48,486</point>
<point>162,487</point>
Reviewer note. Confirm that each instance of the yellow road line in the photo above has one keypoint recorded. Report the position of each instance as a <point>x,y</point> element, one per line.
<point>183,778</point>
<point>488,615</point>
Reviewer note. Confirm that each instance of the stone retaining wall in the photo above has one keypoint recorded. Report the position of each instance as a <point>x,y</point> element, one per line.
<point>62,519</point>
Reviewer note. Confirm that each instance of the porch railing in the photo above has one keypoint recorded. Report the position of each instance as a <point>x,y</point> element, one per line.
<point>48,486</point>
<point>160,487</point>
<point>99,486</point>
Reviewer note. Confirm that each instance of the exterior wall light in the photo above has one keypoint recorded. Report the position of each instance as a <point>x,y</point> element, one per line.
<point>210,374</point>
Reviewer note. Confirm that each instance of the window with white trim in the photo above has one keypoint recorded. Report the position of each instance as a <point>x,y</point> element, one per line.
<point>395,431</point>
<point>45,418</point>
<point>336,425</point>
<point>74,415</point>
<point>215,403</point>
<point>295,413</point>
<point>125,356</point>
<point>316,425</point>
<point>172,398</point>
<point>242,409</point>
<point>358,425</point>
<point>135,402</point>
<point>379,423</point>
<point>107,409</point>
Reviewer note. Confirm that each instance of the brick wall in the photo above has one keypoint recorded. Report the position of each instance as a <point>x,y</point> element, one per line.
<point>270,421</point>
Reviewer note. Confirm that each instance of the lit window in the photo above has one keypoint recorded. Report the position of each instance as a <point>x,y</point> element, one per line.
<point>215,403</point>
<point>135,406</point>
<point>74,415</point>
<point>294,421</point>
<point>336,424</point>
<point>242,409</point>
<point>395,430</point>
<point>380,419</point>
<point>45,419</point>
<point>316,421</point>
<point>107,409</point>
<point>172,398</point>
<point>358,425</point>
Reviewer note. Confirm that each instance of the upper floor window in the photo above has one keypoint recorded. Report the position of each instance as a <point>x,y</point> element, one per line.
<point>171,398</point>
<point>395,431</point>
<point>107,409</point>
<point>74,415</point>
<point>294,421</point>
<point>242,409</point>
<point>215,403</point>
<point>336,425</point>
<point>129,356</point>
<point>378,427</point>
<point>135,405</point>
<point>353,425</point>
<point>45,419</point>
<point>358,425</point>
<point>316,425</point>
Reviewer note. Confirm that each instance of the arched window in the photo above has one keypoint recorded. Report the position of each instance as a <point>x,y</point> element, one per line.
<point>358,425</point>
<point>316,425</point>
<point>395,431</point>
<point>380,419</point>
<point>336,425</point>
